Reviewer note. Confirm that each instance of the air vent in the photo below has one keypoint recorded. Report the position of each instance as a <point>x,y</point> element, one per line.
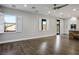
<point>14,6</point>
<point>33,7</point>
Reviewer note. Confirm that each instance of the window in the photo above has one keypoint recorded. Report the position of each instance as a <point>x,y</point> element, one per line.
<point>44,24</point>
<point>9,23</point>
<point>73,26</point>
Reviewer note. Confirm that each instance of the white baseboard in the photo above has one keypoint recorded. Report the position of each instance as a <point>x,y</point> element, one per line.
<point>25,39</point>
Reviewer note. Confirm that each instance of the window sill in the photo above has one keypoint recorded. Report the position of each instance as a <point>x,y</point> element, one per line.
<point>10,32</point>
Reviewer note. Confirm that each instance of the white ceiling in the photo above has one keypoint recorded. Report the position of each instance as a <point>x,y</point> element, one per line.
<point>64,12</point>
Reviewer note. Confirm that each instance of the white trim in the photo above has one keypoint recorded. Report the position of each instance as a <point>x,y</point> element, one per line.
<point>25,39</point>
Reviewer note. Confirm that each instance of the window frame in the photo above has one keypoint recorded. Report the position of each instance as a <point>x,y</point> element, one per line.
<point>16,24</point>
<point>42,24</point>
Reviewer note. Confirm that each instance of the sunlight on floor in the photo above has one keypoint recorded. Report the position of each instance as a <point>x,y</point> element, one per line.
<point>43,48</point>
<point>58,43</point>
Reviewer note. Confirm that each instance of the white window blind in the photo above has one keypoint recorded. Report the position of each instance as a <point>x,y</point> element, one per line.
<point>1,23</point>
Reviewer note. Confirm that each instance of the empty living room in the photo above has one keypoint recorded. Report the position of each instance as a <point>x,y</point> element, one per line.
<point>39,29</point>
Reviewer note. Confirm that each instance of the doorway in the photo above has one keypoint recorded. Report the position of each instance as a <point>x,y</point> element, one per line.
<point>58,27</point>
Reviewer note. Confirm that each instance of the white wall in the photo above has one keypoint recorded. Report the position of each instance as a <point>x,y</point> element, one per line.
<point>77,24</point>
<point>66,26</point>
<point>30,26</point>
<point>61,26</point>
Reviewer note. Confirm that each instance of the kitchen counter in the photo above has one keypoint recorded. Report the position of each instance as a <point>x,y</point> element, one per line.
<point>73,34</point>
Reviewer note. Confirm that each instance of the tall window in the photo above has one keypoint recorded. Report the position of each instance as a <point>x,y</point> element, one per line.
<point>44,24</point>
<point>9,23</point>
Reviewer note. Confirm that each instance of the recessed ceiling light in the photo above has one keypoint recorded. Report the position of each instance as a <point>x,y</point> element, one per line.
<point>74,9</point>
<point>54,11</point>
<point>68,15</point>
<point>61,13</point>
<point>73,18</point>
<point>48,12</point>
<point>25,5</point>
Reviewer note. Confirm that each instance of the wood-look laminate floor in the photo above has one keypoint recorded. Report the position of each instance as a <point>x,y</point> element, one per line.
<point>60,45</point>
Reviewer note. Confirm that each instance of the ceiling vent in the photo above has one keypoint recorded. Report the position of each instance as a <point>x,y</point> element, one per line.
<point>33,7</point>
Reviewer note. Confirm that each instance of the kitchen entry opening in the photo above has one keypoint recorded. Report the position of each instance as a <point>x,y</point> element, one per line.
<point>58,27</point>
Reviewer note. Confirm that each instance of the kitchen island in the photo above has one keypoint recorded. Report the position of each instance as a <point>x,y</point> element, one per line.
<point>73,34</point>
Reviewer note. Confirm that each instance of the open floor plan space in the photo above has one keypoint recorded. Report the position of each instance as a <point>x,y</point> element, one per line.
<point>39,29</point>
